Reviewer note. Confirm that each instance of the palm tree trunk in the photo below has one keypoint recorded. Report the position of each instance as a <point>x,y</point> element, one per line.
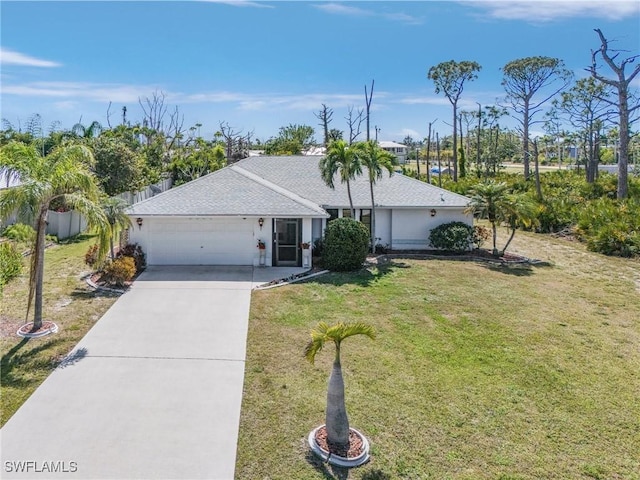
<point>373,219</point>
<point>38,266</point>
<point>353,212</point>
<point>495,238</point>
<point>513,232</point>
<point>337,422</point>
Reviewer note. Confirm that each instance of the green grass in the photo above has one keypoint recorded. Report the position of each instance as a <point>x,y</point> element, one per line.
<point>478,372</point>
<point>68,302</point>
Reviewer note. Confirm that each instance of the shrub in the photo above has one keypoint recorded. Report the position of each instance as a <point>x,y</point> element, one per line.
<point>20,232</point>
<point>91,257</point>
<point>345,245</point>
<point>480,235</point>
<point>120,271</point>
<point>10,263</point>
<point>318,246</point>
<point>453,236</point>
<point>134,251</point>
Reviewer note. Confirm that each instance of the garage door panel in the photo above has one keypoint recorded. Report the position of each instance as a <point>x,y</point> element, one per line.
<point>211,241</point>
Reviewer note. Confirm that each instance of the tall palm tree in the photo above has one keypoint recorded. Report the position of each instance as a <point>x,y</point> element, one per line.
<point>376,160</point>
<point>493,201</point>
<point>64,174</point>
<point>342,159</point>
<point>337,422</point>
<point>114,211</point>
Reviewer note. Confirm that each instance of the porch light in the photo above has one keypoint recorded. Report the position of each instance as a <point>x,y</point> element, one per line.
<point>261,222</point>
<point>139,222</point>
<point>433,212</point>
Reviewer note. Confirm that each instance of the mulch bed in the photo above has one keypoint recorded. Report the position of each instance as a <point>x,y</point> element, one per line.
<point>354,448</point>
<point>478,254</point>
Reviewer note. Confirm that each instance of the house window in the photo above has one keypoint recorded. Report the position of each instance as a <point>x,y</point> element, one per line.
<point>346,213</point>
<point>333,212</point>
<point>365,218</point>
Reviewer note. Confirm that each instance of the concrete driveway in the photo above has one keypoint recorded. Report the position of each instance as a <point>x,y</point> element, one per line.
<point>153,391</point>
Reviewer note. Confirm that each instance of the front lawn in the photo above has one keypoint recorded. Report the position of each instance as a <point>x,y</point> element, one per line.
<point>478,371</point>
<point>68,301</point>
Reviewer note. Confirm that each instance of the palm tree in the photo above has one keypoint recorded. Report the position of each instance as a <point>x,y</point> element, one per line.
<point>376,160</point>
<point>493,201</point>
<point>340,159</point>
<point>114,211</point>
<point>64,175</point>
<point>337,422</point>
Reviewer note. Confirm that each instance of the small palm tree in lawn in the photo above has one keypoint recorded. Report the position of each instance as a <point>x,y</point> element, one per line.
<point>376,160</point>
<point>114,211</point>
<point>493,201</point>
<point>341,159</point>
<point>337,422</point>
<point>64,174</point>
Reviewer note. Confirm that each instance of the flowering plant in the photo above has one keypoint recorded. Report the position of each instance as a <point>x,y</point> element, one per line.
<point>305,245</point>
<point>261,245</point>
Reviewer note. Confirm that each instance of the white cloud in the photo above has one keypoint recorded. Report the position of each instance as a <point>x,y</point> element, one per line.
<point>342,9</point>
<point>10,57</point>
<point>80,90</point>
<point>424,101</point>
<point>240,3</point>
<point>547,11</point>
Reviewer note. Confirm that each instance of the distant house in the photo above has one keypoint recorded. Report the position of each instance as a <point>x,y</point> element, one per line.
<point>281,201</point>
<point>398,149</point>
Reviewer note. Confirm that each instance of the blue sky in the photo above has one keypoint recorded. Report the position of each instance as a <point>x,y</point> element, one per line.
<point>262,65</point>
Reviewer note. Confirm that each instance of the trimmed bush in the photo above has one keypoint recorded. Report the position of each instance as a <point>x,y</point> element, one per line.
<point>453,236</point>
<point>10,263</point>
<point>345,245</point>
<point>480,235</point>
<point>120,271</point>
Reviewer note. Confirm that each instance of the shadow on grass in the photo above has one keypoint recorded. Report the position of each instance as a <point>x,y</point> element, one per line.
<point>364,277</point>
<point>15,360</point>
<point>88,294</point>
<point>376,475</point>
<point>330,472</point>
<point>516,269</point>
<point>76,239</point>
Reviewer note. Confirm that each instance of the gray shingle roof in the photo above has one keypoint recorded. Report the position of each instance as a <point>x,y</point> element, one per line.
<point>289,186</point>
<point>227,192</point>
<point>300,174</point>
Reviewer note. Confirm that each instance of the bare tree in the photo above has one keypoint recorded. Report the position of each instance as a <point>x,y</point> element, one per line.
<point>154,110</point>
<point>236,143</point>
<point>367,98</point>
<point>354,122</point>
<point>324,115</point>
<point>621,85</point>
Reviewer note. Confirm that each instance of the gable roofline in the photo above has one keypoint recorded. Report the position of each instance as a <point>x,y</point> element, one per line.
<point>278,189</point>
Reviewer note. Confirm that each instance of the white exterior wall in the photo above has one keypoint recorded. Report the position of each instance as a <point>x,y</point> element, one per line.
<point>383,226</point>
<point>410,228</point>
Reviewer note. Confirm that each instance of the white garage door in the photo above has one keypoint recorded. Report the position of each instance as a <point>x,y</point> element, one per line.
<point>201,241</point>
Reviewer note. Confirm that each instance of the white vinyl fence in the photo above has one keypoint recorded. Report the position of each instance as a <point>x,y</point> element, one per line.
<point>68,224</point>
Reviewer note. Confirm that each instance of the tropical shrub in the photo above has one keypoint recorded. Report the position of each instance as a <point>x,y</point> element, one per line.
<point>480,235</point>
<point>453,236</point>
<point>10,263</point>
<point>91,257</point>
<point>119,271</point>
<point>134,251</point>
<point>345,245</point>
<point>20,232</point>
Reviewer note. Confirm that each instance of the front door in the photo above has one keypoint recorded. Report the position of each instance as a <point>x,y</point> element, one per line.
<point>287,236</point>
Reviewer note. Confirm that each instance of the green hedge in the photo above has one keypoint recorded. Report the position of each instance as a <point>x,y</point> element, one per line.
<point>345,245</point>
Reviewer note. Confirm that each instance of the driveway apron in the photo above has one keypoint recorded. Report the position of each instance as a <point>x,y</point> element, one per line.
<point>153,391</point>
